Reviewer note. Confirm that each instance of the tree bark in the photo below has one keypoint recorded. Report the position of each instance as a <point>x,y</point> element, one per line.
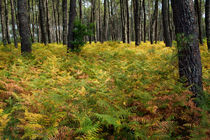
<point>145,20</point>
<point>42,22</point>
<point>190,68</point>
<point>136,10</point>
<point>128,21</point>
<point>7,21</point>
<point>198,15</point>
<point>105,21</point>
<point>48,23</point>
<point>65,14</point>
<point>72,16</point>
<point>207,20</point>
<point>13,22</point>
<point>166,31</point>
<point>80,10</point>
<point>3,26</point>
<point>155,14</point>
<point>23,27</point>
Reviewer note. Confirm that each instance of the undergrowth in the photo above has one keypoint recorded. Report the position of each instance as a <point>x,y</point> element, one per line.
<point>108,91</point>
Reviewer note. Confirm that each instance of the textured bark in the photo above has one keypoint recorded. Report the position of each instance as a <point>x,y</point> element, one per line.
<point>65,14</point>
<point>7,21</point>
<point>198,14</point>
<point>23,27</point>
<point>58,13</point>
<point>105,21</point>
<point>166,31</point>
<point>55,20</point>
<point>72,16</point>
<point>207,20</point>
<point>13,23</point>
<point>3,26</point>
<point>80,10</point>
<point>145,20</point>
<point>190,69</point>
<point>136,10</point>
<point>48,23</point>
<point>155,14</point>
<point>42,22</point>
<point>128,22</point>
<point>123,20</point>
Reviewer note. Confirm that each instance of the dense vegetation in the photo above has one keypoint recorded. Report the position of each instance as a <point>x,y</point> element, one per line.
<point>108,91</point>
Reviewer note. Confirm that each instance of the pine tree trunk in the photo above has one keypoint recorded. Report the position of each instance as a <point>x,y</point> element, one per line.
<point>136,11</point>
<point>207,20</point>
<point>13,23</point>
<point>55,21</point>
<point>145,20</point>
<point>190,68</point>
<point>65,14</point>
<point>48,23</point>
<point>42,22</point>
<point>23,27</point>
<point>72,16</point>
<point>105,21</point>
<point>166,31</point>
<point>7,21</point>
<point>155,14</point>
<point>198,15</point>
<point>80,10</point>
<point>128,22</point>
<point>3,26</point>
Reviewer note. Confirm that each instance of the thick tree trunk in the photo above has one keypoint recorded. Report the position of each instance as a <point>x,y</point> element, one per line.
<point>207,20</point>
<point>190,69</point>
<point>59,25</point>
<point>3,26</point>
<point>136,10</point>
<point>23,27</point>
<point>72,16</point>
<point>198,14</point>
<point>65,14</point>
<point>166,31</point>
<point>13,22</point>
<point>55,21</point>
<point>42,22</point>
<point>80,10</point>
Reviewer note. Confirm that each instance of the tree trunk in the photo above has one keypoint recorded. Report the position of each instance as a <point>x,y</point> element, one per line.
<point>155,14</point>
<point>3,26</point>
<point>136,10</point>
<point>23,27</point>
<point>7,21</point>
<point>13,23</point>
<point>42,22</point>
<point>128,22</point>
<point>190,68</point>
<point>80,10</point>
<point>145,20</point>
<point>65,14</point>
<point>55,20</point>
<point>207,20</point>
<point>198,15</point>
<point>48,23</point>
<point>166,31</point>
<point>105,21</point>
<point>72,16</point>
<point>59,27</point>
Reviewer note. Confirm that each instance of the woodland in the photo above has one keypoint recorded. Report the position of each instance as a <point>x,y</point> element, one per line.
<point>104,69</point>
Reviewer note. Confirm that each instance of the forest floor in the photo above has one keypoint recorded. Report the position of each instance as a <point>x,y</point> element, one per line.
<point>108,91</point>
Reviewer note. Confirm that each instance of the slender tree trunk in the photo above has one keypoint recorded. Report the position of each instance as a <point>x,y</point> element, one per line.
<point>72,16</point>
<point>190,68</point>
<point>59,26</point>
<point>80,10</point>
<point>145,21</point>
<point>155,14</point>
<point>3,26</point>
<point>65,14</point>
<point>55,20</point>
<point>33,20</point>
<point>207,20</point>
<point>7,21</point>
<point>166,31</point>
<point>13,23</point>
<point>123,20</point>
<point>23,27</point>
<point>48,23</point>
<point>42,22</point>
<point>136,10</point>
<point>105,21</point>
<point>198,15</point>
<point>128,21</point>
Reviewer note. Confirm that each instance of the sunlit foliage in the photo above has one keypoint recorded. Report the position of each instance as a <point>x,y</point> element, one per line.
<point>110,90</point>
